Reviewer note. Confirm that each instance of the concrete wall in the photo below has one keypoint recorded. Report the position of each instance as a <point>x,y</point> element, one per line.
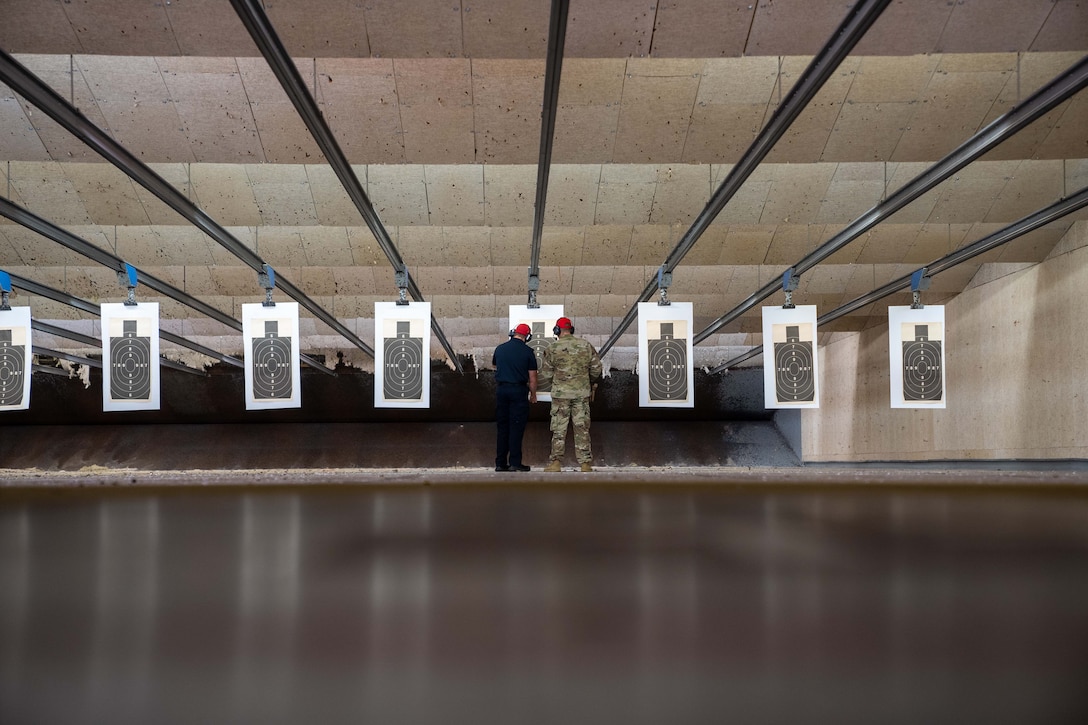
<point>1016,375</point>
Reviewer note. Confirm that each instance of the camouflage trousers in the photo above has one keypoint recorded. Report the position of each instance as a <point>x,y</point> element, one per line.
<point>575,410</point>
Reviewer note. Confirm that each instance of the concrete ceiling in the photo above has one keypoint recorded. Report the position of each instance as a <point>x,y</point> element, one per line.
<point>437,105</point>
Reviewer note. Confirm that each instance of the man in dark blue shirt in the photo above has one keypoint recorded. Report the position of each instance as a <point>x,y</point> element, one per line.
<point>515,382</point>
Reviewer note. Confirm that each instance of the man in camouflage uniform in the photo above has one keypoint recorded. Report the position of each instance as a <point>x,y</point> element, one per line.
<point>573,367</point>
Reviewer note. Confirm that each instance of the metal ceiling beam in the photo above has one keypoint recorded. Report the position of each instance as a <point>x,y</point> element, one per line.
<point>857,22</point>
<point>557,33</point>
<point>93,309</point>
<point>1037,105</point>
<point>65,238</point>
<point>264,35</point>
<point>30,87</point>
<point>88,340</point>
<point>1015,230</point>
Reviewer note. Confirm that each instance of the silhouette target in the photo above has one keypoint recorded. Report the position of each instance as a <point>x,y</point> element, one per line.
<point>403,365</point>
<point>271,364</point>
<point>538,343</point>
<point>130,364</point>
<point>793,370</point>
<point>668,376</point>
<point>12,359</point>
<point>922,366</point>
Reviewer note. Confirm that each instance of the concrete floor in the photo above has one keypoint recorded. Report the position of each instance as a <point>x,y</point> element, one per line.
<point>449,596</point>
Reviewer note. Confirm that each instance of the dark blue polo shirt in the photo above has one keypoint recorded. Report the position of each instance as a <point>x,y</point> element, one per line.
<point>513,360</point>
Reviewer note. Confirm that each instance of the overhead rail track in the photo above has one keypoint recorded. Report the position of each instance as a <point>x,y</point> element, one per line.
<point>1019,117</point>
<point>557,32</point>
<point>857,22</point>
<point>1017,229</point>
<point>81,304</point>
<point>26,84</point>
<point>264,35</point>
<point>61,236</point>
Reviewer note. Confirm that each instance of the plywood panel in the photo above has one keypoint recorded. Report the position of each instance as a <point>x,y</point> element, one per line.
<point>213,109</point>
<point>18,139</point>
<point>136,106</point>
<point>509,195</point>
<point>359,100</point>
<point>423,29</point>
<point>399,194</point>
<point>994,25</point>
<point>283,194</point>
<point>604,243</point>
<point>108,195</point>
<point>796,193</point>
<point>625,194</point>
<point>658,97</point>
<point>225,193</point>
<point>48,192</point>
<point>436,110</point>
<point>572,194</point>
<point>283,134</point>
<point>334,206</point>
<point>455,194</point>
<point>507,97</point>
<point>609,28</point>
<point>793,27</point>
<point>807,136</point>
<point>36,27</point>
<point>505,29</point>
<point>701,28</point>
<point>122,28</point>
<point>954,105</point>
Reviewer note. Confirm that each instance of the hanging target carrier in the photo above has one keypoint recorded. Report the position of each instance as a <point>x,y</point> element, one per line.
<point>789,286</point>
<point>5,290</point>
<point>664,280</point>
<point>129,278</point>
<point>918,281</point>
<point>267,280</point>
<point>400,278</point>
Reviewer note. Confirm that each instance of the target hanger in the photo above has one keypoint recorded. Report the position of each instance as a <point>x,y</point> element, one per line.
<point>918,281</point>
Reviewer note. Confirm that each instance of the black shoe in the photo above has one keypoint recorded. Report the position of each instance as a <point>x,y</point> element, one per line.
<point>502,468</point>
<point>519,467</point>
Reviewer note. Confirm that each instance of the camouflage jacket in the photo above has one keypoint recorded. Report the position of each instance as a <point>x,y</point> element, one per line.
<point>571,364</point>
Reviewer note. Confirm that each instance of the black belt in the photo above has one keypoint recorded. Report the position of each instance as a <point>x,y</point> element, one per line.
<point>521,384</point>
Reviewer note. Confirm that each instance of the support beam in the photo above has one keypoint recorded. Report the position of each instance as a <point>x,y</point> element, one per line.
<point>857,22</point>
<point>93,309</point>
<point>264,35</point>
<point>1039,104</point>
<point>1015,230</point>
<point>557,33</point>
<point>30,87</point>
<point>47,229</point>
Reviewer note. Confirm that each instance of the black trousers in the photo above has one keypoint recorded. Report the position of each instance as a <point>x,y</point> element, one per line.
<point>511,417</point>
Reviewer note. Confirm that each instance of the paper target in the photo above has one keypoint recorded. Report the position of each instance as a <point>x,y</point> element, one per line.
<point>12,370</point>
<point>537,343</point>
<point>130,364</point>
<point>666,377</point>
<point>668,366</point>
<point>130,356</point>
<point>794,368</point>
<point>922,366</point>
<point>790,360</point>
<point>272,366</point>
<point>540,320</point>
<point>403,364</point>
<point>917,356</point>
<point>402,349</point>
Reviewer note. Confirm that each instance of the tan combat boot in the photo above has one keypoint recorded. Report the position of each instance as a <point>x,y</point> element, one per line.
<point>553,467</point>
<point>587,468</point>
